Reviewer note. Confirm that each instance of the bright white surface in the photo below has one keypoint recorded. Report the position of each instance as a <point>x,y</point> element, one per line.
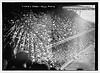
<point>45,71</point>
<point>88,15</point>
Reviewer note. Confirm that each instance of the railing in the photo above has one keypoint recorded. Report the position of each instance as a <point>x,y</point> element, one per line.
<point>70,38</point>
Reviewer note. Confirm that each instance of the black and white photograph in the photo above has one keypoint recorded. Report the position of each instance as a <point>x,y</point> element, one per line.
<point>50,36</point>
